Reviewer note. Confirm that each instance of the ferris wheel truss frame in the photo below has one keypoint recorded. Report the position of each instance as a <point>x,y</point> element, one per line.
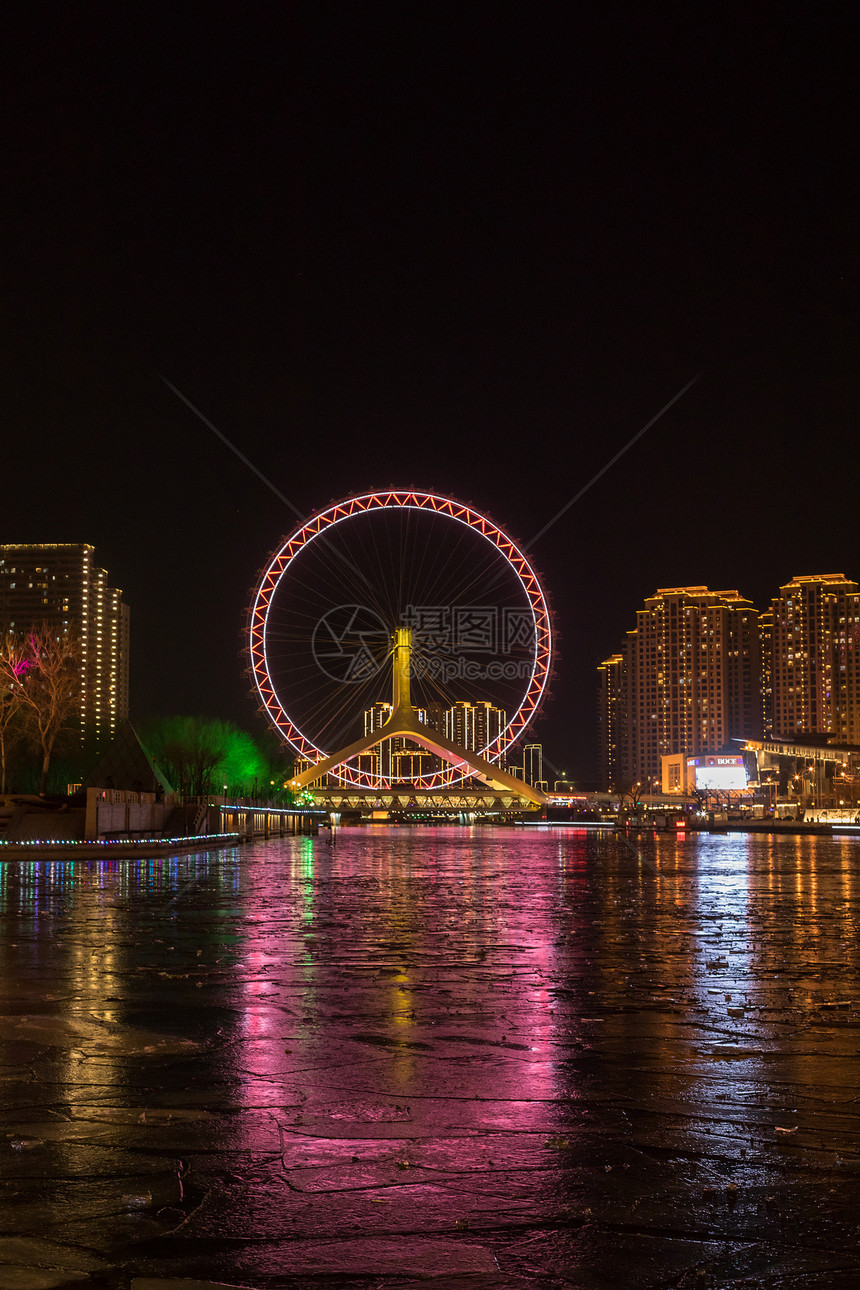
<point>392,500</point>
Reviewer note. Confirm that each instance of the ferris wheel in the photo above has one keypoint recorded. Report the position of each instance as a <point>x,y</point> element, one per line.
<point>334,593</point>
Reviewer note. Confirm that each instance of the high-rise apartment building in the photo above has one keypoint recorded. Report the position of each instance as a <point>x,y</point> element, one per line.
<point>436,715</point>
<point>812,659</point>
<point>765,635</point>
<point>59,584</point>
<point>471,725</point>
<point>687,682</point>
<point>376,716</point>
<point>612,724</point>
<point>474,725</point>
<point>533,766</point>
<point>393,759</point>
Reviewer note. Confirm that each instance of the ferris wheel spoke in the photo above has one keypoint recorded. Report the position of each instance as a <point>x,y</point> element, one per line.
<point>319,636</point>
<point>460,592</point>
<point>324,698</point>
<point>329,580</point>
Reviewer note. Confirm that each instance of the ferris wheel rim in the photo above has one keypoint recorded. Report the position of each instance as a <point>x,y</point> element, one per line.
<point>396,500</point>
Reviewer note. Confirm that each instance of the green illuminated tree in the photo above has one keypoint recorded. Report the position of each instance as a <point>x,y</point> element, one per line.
<point>243,768</point>
<point>189,749</point>
<point>201,755</point>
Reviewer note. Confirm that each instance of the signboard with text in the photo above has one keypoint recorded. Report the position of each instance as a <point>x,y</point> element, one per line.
<point>724,772</point>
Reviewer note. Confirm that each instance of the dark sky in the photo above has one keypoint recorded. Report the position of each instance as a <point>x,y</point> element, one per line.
<point>470,249</point>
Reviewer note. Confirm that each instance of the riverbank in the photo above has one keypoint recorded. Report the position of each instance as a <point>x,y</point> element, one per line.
<point>54,849</point>
<point>777,828</point>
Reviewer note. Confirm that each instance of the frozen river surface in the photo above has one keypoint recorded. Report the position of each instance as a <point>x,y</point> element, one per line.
<point>451,1058</point>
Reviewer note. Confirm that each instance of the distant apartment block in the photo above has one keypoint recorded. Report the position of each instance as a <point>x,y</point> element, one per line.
<point>612,721</point>
<point>812,659</point>
<point>533,766</point>
<point>59,584</point>
<point>474,725</point>
<point>471,725</point>
<point>687,681</point>
<point>394,759</point>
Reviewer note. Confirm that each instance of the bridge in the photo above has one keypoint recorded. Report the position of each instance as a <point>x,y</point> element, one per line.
<point>407,801</point>
<point>502,791</point>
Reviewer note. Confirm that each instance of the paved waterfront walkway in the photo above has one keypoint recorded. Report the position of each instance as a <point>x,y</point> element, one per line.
<point>447,1058</point>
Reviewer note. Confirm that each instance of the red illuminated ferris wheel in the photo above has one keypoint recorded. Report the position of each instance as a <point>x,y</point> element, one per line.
<point>333,594</point>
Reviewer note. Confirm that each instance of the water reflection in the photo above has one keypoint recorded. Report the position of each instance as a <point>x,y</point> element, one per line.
<point>445,1009</point>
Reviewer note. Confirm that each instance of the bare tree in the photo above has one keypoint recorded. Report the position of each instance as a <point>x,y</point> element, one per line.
<point>47,683</point>
<point>630,796</point>
<point>14,664</point>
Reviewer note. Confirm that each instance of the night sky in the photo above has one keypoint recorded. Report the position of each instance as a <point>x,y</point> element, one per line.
<point>470,249</point>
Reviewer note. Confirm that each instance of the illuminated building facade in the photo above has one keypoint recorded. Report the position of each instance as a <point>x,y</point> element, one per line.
<point>59,584</point>
<point>533,766</point>
<point>474,725</point>
<point>765,632</point>
<point>813,659</point>
<point>612,728</point>
<point>688,682</point>
<point>404,722</point>
<point>394,759</point>
<point>470,725</point>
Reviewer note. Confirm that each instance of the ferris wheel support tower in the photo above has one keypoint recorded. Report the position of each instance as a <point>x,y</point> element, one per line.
<point>403,722</point>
